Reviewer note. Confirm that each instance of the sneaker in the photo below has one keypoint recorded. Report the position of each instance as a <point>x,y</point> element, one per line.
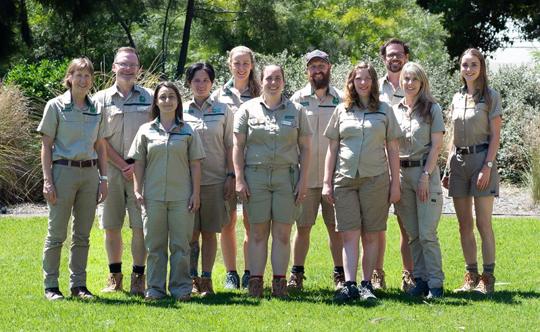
<point>255,287</point>
<point>153,297</point>
<point>435,293</point>
<point>407,282</point>
<point>82,293</point>
<point>138,282</point>
<point>420,288</point>
<point>366,292</point>
<point>470,281</point>
<point>296,281</point>
<point>53,294</point>
<point>486,285</point>
<point>195,285</point>
<point>114,283</point>
<point>348,292</point>
<point>245,279</point>
<point>377,280</point>
<point>205,287</point>
<point>232,280</point>
<point>339,280</point>
<point>279,288</point>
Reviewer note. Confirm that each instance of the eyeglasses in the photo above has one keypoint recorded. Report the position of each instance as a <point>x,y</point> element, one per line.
<point>395,55</point>
<point>126,65</point>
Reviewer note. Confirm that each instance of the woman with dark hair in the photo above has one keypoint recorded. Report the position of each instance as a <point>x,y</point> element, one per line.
<point>473,177</point>
<point>167,175</point>
<point>214,123</point>
<point>420,206</point>
<point>72,151</point>
<point>243,86</point>
<point>361,133</point>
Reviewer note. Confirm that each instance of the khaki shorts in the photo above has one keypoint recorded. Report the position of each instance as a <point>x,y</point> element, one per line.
<point>120,197</point>
<point>272,196</point>
<point>310,209</point>
<point>362,203</point>
<point>212,214</point>
<point>464,170</point>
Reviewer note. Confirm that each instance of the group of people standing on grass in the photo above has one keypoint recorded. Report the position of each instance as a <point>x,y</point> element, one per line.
<point>179,169</point>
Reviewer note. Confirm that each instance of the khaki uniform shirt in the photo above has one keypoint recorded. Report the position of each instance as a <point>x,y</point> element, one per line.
<point>214,123</point>
<point>362,136</point>
<point>416,140</point>
<point>74,130</point>
<point>271,135</point>
<point>124,115</point>
<point>387,92</point>
<point>231,97</point>
<point>471,119</point>
<point>318,113</point>
<point>167,156</point>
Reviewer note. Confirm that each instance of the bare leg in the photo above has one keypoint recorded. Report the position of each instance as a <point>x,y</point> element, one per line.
<point>258,247</point>
<point>351,242</point>
<point>484,209</point>
<point>463,207</point>
<point>281,247</point>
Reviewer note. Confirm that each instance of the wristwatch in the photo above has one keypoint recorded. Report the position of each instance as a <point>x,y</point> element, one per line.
<point>231,174</point>
<point>103,178</point>
<point>426,173</point>
<point>489,164</point>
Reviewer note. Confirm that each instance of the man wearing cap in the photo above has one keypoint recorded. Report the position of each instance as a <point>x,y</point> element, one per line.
<point>394,54</point>
<point>320,100</point>
<point>126,107</point>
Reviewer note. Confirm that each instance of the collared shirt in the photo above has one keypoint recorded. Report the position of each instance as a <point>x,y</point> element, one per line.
<point>387,92</point>
<point>362,137</point>
<point>124,115</point>
<point>271,135</point>
<point>227,95</point>
<point>471,119</point>
<point>166,156</point>
<point>214,123</point>
<point>416,141</point>
<point>318,113</point>
<point>74,130</point>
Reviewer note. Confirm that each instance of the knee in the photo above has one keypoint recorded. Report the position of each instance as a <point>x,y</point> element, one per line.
<point>258,236</point>
<point>304,232</point>
<point>427,237</point>
<point>208,236</point>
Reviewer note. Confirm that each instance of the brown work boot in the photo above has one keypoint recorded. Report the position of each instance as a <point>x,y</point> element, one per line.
<point>255,287</point>
<point>407,282</point>
<point>205,287</point>
<point>470,281</point>
<point>486,285</point>
<point>296,281</point>
<point>339,280</point>
<point>377,280</point>
<point>195,285</point>
<point>279,288</point>
<point>138,284</point>
<point>114,283</point>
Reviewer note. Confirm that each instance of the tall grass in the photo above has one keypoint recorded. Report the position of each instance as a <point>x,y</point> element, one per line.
<point>532,175</point>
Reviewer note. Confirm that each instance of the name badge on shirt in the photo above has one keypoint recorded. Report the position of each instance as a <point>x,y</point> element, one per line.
<point>286,123</point>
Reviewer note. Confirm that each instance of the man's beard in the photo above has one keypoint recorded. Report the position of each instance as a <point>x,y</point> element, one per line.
<point>321,83</point>
<point>395,67</point>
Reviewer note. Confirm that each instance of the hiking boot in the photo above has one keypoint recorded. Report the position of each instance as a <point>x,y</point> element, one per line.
<point>486,285</point>
<point>377,280</point>
<point>232,280</point>
<point>470,281</point>
<point>205,287</point>
<point>348,292</point>
<point>53,294</point>
<point>195,285</point>
<point>366,293</point>
<point>138,282</point>
<point>114,283</point>
<point>407,282</point>
<point>296,281</point>
<point>435,293</point>
<point>255,287</point>
<point>82,293</point>
<point>245,279</point>
<point>279,288</point>
<point>339,280</point>
<point>420,288</point>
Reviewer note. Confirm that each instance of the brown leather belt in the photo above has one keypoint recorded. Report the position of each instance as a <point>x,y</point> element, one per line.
<point>412,163</point>
<point>471,149</point>
<point>76,163</point>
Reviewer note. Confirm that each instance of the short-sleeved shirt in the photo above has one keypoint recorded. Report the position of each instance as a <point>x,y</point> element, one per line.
<point>318,113</point>
<point>214,123</point>
<point>471,119</point>
<point>362,135</point>
<point>166,156</point>
<point>227,95</point>
<point>124,115</point>
<point>387,93</point>
<point>416,140</point>
<point>74,130</point>
<point>271,135</point>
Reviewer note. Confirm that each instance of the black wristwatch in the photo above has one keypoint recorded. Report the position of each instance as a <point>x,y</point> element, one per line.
<point>231,174</point>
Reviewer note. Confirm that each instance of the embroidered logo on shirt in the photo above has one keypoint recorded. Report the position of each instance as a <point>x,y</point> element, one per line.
<point>142,99</point>
<point>304,103</point>
<point>335,100</point>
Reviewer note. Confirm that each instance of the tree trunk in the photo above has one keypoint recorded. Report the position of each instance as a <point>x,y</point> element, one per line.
<point>190,13</point>
<point>164,39</point>
<point>122,23</point>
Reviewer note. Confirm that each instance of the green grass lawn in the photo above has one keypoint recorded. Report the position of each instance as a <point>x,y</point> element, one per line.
<point>515,306</point>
